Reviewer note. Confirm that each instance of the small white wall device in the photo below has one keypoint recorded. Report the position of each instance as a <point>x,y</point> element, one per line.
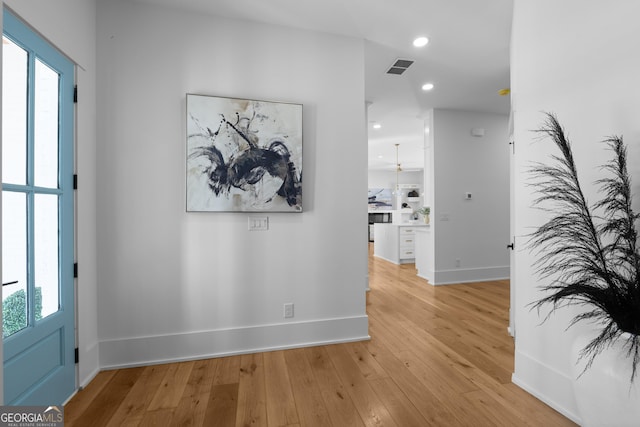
<point>477,132</point>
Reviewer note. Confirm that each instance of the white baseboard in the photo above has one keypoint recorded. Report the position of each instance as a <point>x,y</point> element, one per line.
<point>428,276</point>
<point>139,351</point>
<point>386,259</point>
<point>83,382</point>
<point>468,275</point>
<point>89,364</point>
<point>547,384</point>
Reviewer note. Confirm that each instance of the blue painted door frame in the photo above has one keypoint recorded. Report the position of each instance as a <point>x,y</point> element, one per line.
<point>39,360</point>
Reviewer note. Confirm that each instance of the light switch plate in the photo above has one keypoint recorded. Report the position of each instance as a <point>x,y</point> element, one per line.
<point>258,223</point>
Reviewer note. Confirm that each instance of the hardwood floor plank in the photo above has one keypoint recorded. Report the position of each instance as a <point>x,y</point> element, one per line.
<point>448,359</point>
<point>341,409</point>
<point>435,373</point>
<point>102,408</point>
<point>472,350</point>
<point>158,418</point>
<point>81,401</point>
<point>252,408</point>
<point>402,410</point>
<point>222,406</point>
<point>443,389</point>
<point>306,391</point>
<point>484,409</point>
<point>367,364</point>
<point>372,411</point>
<point>172,387</point>
<point>228,370</point>
<point>281,407</point>
<point>422,397</point>
<point>193,405</point>
<point>134,406</point>
<point>395,338</point>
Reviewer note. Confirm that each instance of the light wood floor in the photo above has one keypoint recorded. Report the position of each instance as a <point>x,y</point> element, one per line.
<point>438,356</point>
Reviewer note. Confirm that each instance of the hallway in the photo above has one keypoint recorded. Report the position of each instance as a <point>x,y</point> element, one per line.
<point>438,356</point>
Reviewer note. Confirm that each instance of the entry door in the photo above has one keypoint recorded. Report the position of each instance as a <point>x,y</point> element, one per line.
<point>512,227</point>
<point>37,219</point>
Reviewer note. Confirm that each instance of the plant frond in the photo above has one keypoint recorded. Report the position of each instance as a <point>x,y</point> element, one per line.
<point>591,261</point>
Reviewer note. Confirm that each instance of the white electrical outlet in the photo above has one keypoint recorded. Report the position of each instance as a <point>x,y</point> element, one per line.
<point>458,263</point>
<point>288,310</point>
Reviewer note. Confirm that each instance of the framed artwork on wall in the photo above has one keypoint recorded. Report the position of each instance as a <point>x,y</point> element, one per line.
<point>243,155</point>
<point>380,198</point>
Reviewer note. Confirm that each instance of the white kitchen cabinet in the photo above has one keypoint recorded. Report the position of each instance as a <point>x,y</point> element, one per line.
<point>395,242</point>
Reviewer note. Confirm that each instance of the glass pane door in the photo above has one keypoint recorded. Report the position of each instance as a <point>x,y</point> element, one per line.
<point>14,112</point>
<point>29,214</point>
<point>14,262</point>
<point>37,219</point>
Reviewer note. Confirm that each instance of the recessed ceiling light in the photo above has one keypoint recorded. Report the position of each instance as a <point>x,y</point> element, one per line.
<point>427,86</point>
<point>420,42</point>
<point>377,125</point>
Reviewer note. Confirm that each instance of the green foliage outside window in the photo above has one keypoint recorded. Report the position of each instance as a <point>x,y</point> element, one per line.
<point>14,312</point>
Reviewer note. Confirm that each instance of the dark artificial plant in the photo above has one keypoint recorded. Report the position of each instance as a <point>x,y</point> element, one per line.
<point>589,252</point>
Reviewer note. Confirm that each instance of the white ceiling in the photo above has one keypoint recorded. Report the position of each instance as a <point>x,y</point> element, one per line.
<point>467,58</point>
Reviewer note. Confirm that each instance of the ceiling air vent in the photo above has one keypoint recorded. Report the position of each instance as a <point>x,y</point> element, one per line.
<point>400,66</point>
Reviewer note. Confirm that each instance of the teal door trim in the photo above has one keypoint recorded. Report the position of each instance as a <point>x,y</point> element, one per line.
<point>39,361</point>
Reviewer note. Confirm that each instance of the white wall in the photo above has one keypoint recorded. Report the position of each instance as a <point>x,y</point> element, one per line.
<point>475,231</point>
<point>70,26</point>
<point>176,285</point>
<point>579,60</point>
<point>387,179</point>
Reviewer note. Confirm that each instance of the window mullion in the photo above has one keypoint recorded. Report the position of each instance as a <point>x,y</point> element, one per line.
<point>31,294</point>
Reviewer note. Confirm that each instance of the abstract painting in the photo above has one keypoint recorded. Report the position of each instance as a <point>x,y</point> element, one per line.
<point>380,198</point>
<point>243,155</point>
